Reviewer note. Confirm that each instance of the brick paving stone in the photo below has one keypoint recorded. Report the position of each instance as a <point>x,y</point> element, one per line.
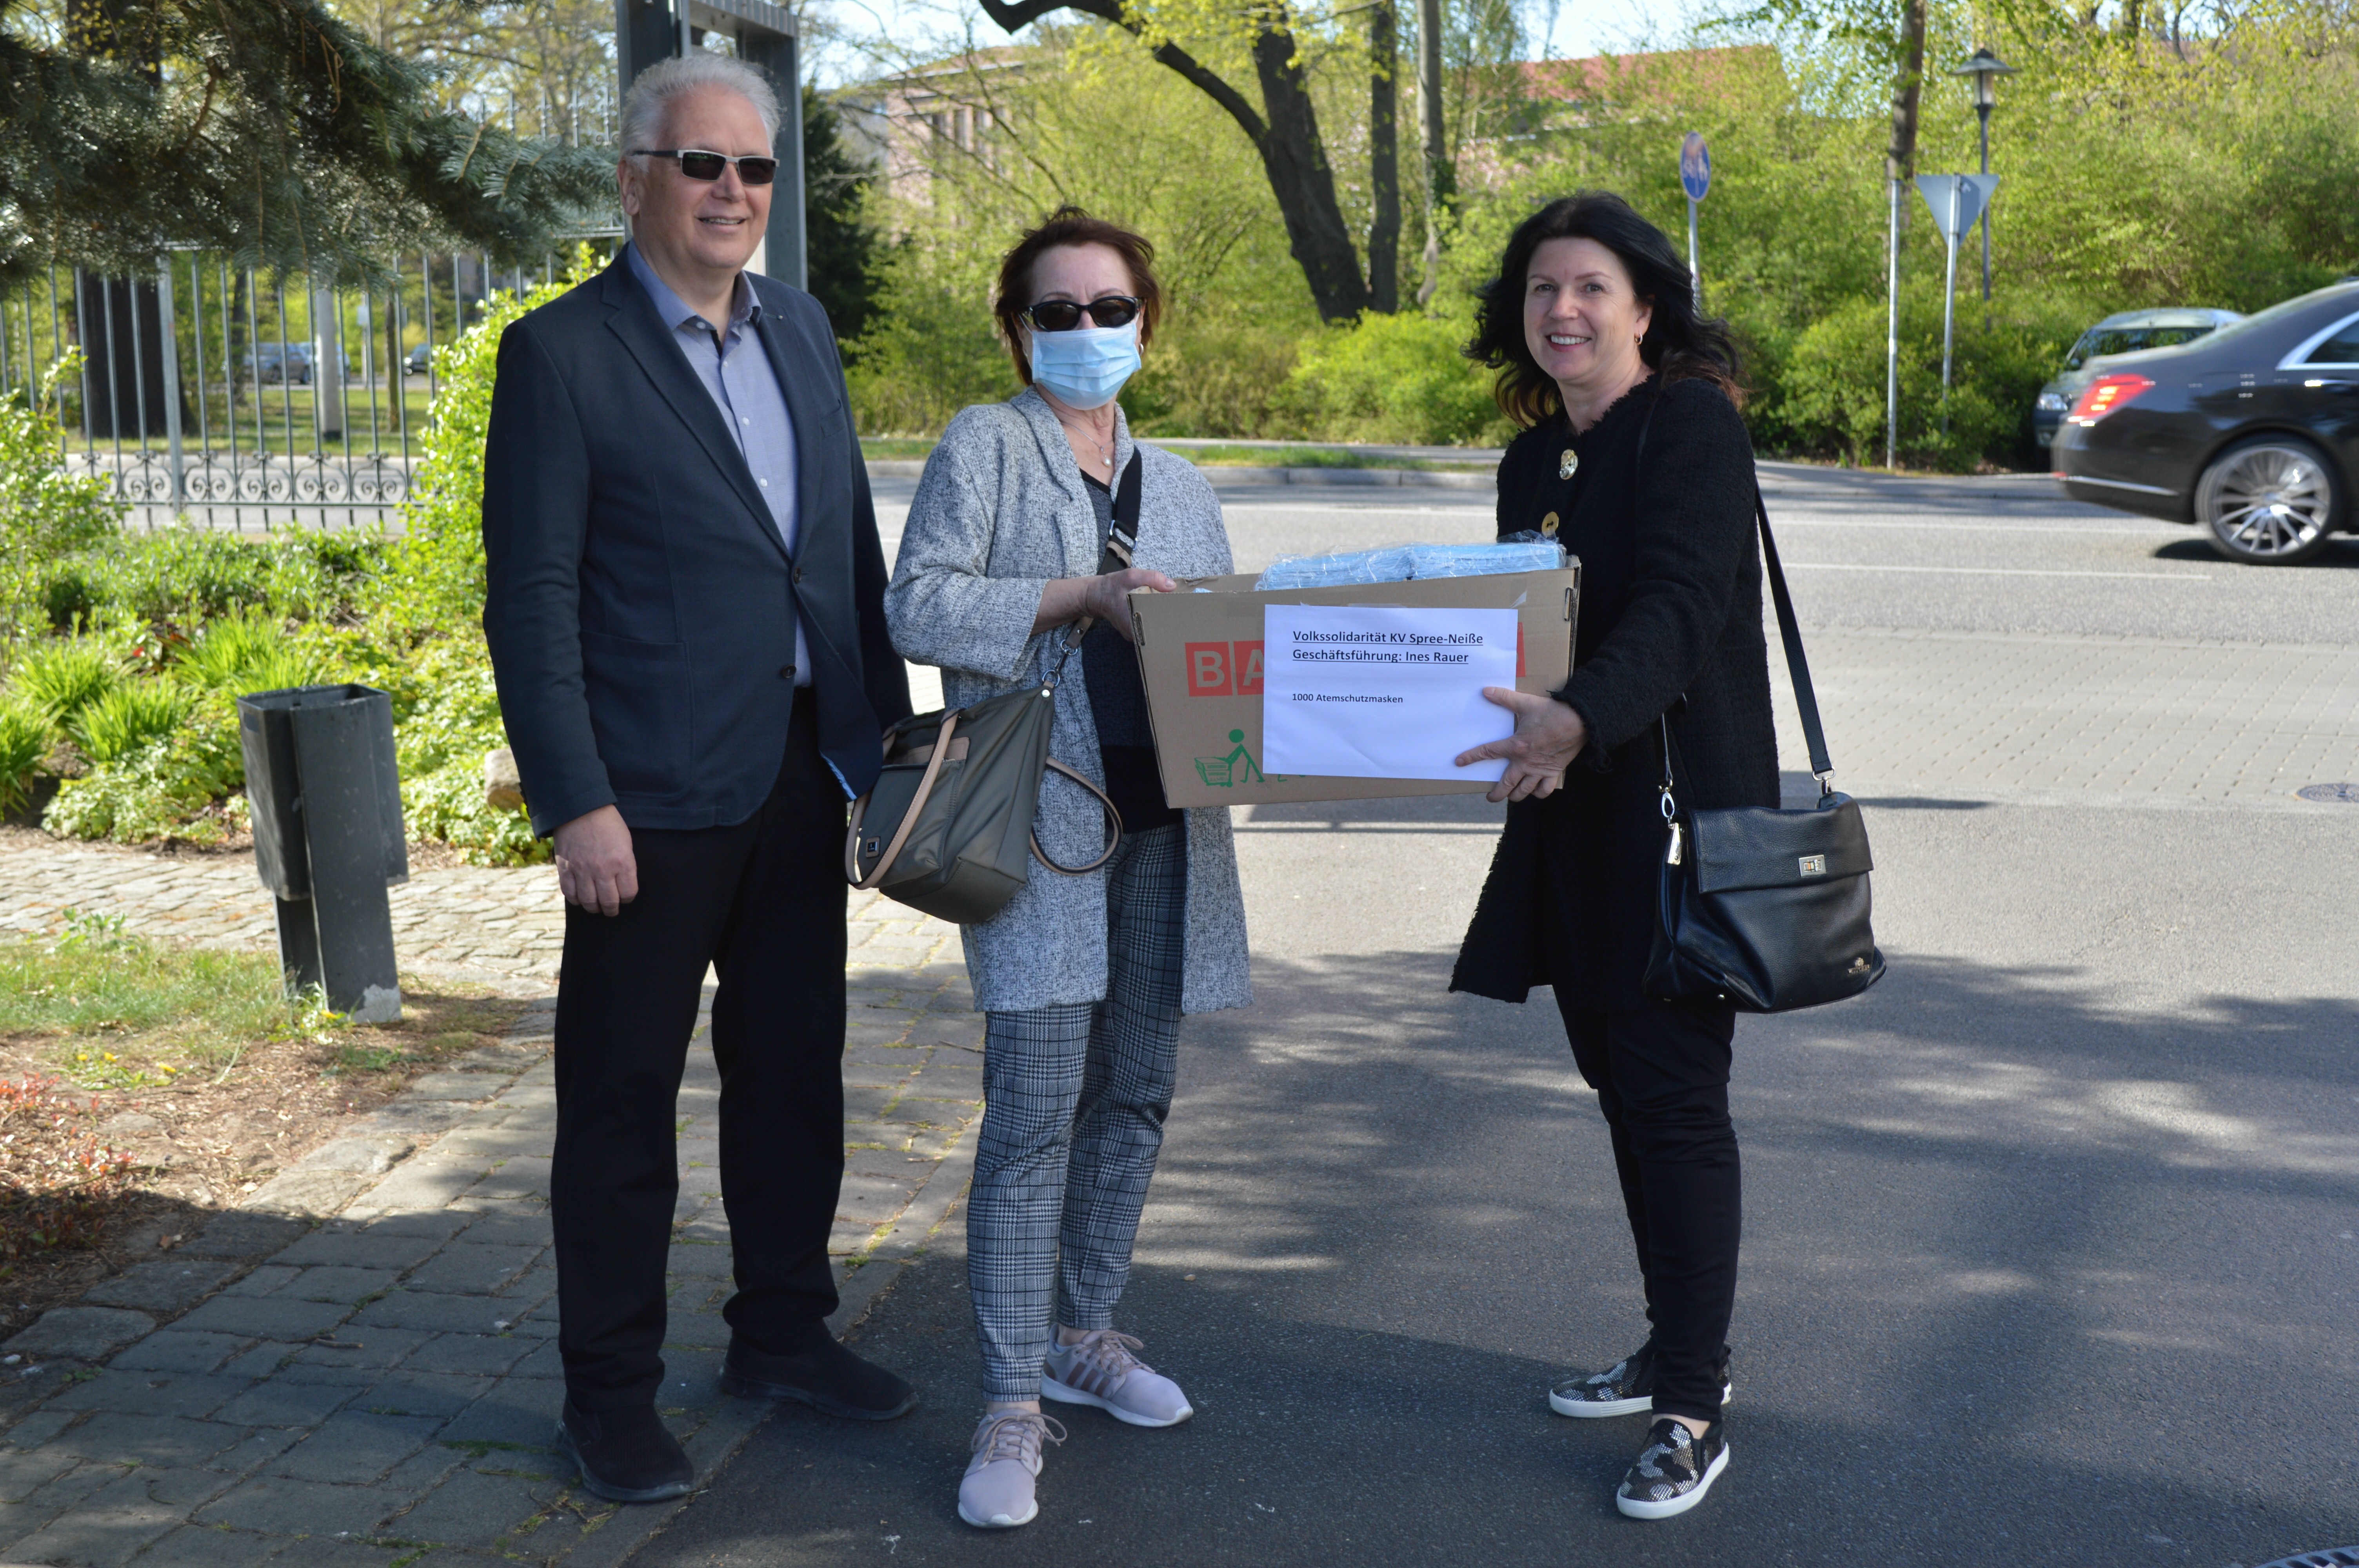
<point>486,1353</point>
<point>282,1506</point>
<point>355,1447</point>
<point>470,1270</point>
<point>149,1392</point>
<point>276,1402</point>
<point>202,1546</point>
<point>166,1285</point>
<point>113,1437</point>
<point>470,1509</point>
<point>362,1344</point>
<point>336,1283</point>
<point>95,1539</point>
<point>417,1392</point>
<point>178,1351</point>
<point>267,1317</point>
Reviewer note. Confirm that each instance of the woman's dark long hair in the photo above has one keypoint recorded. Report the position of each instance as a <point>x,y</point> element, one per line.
<point>1680,345</point>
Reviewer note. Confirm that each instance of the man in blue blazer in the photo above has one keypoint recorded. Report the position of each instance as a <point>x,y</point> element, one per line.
<point>685,611</point>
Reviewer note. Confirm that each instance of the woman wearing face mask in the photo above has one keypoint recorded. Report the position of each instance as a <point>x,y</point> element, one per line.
<point>1634,458</point>
<point>1081,978</point>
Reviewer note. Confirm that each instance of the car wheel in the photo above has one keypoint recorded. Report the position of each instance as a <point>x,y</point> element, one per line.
<point>2268,502</point>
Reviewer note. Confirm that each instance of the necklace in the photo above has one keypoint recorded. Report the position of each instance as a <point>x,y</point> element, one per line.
<point>1103,450</point>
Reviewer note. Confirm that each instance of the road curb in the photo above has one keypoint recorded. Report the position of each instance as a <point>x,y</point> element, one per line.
<point>1229,476</point>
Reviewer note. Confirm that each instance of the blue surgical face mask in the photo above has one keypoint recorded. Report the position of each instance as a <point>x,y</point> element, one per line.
<point>1087,366</point>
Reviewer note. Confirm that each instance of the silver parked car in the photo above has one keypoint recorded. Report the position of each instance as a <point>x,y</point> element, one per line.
<point>2125,333</point>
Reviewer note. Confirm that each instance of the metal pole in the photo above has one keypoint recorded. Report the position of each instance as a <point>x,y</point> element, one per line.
<point>1984,111</point>
<point>1892,342</point>
<point>168,329</point>
<point>1695,271</point>
<point>1949,302</point>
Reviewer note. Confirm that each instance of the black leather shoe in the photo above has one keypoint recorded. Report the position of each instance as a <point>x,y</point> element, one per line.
<point>830,1380</point>
<point>626,1456</point>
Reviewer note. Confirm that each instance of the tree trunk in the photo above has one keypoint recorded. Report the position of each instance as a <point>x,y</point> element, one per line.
<point>1293,158</point>
<point>1384,159</point>
<point>1900,159</point>
<point>1440,177</point>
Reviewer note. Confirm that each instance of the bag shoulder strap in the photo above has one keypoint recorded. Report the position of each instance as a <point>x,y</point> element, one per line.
<point>1120,541</point>
<point>1797,664</point>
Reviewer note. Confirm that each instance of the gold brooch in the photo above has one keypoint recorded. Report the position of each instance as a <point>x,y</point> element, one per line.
<point>1566,464</point>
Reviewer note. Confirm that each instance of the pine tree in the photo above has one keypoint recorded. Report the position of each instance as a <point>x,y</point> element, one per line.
<point>267,129</point>
<point>840,244</point>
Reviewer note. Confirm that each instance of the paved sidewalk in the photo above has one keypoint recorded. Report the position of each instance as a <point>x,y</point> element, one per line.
<point>358,1367</point>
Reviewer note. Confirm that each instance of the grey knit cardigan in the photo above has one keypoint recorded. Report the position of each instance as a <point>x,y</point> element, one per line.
<point>1000,511</point>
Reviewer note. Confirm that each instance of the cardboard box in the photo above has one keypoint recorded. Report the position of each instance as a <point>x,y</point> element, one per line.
<point>1200,655</point>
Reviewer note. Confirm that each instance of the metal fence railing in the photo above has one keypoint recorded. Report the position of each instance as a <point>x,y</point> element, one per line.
<point>235,399</point>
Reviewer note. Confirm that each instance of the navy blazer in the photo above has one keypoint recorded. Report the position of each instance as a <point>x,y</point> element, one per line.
<point>640,605</point>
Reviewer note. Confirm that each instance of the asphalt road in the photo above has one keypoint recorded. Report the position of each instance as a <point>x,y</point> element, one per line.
<point>2050,1239</point>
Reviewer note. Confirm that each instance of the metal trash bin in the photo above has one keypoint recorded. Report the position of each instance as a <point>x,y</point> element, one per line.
<point>327,837</point>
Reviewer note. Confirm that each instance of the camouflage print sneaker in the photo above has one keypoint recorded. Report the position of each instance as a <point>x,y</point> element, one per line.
<point>1674,1471</point>
<point>1627,1387</point>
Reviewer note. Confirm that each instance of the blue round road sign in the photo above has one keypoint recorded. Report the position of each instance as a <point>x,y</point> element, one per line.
<point>1695,166</point>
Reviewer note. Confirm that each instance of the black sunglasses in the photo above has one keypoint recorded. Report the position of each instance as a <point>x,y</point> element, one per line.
<point>707,166</point>
<point>1063,315</point>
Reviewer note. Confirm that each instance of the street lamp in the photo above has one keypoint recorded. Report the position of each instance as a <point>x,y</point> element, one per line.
<point>1985,67</point>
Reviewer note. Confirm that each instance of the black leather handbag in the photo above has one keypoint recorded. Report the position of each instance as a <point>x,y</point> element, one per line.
<point>1764,908</point>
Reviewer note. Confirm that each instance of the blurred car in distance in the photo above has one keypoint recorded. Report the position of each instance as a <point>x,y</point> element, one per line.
<point>2251,430</point>
<point>2127,332</point>
<point>281,363</point>
<point>417,361</point>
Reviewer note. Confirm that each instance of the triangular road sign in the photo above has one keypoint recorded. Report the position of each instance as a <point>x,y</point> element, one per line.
<point>1972,193</point>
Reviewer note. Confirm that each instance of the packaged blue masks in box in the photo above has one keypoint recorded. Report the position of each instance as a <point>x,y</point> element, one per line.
<point>1412,563</point>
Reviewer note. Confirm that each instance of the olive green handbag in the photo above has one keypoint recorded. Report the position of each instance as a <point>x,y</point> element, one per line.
<point>948,827</point>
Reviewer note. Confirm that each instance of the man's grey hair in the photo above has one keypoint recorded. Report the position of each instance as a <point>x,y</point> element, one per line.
<point>647,108</point>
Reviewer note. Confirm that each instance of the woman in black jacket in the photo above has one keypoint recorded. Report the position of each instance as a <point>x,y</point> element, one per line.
<point>1634,459</point>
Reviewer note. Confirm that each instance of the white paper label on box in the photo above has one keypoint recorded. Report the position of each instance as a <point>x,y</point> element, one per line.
<point>1354,692</point>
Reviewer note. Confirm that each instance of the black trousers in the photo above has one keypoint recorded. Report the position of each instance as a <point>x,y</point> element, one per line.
<point>1661,1078</point>
<point>763,902</point>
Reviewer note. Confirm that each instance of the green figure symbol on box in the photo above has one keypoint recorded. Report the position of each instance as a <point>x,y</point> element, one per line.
<point>1225,772</point>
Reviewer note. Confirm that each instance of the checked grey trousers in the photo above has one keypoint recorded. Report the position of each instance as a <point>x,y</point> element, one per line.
<point>1074,1097</point>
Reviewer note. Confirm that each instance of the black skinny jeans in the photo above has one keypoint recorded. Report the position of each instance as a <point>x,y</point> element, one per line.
<point>1661,1078</point>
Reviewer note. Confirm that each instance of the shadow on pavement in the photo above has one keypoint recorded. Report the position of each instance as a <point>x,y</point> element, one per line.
<point>2032,1277</point>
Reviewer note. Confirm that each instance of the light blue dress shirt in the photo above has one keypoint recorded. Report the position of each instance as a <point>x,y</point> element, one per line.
<point>731,363</point>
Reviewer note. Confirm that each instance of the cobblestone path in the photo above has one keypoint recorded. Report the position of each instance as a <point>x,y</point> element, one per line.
<point>358,1365</point>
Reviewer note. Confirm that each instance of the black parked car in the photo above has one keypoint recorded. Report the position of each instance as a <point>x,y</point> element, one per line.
<point>2124,333</point>
<point>2252,431</point>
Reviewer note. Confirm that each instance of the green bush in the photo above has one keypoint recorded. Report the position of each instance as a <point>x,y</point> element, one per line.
<point>45,510</point>
<point>127,718</point>
<point>160,790</point>
<point>247,651</point>
<point>181,576</point>
<point>23,741</point>
<point>1396,379</point>
<point>1825,396</point>
<point>60,677</point>
<point>434,575</point>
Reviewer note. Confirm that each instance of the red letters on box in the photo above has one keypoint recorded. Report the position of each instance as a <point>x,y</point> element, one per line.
<point>1208,670</point>
<point>1224,669</point>
<point>1248,668</point>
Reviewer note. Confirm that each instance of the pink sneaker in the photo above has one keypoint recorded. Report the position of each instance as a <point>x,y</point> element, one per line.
<point>1099,1369</point>
<point>996,1493</point>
